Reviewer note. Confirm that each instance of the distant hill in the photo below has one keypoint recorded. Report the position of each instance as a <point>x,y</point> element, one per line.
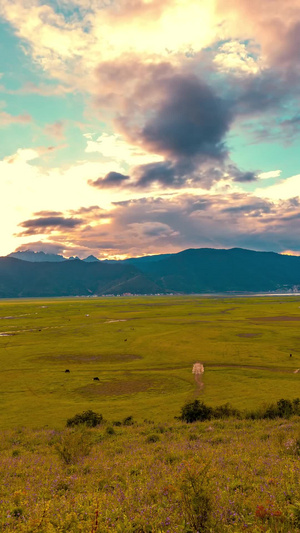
<point>138,261</point>
<point>203,270</point>
<point>70,278</point>
<point>235,270</point>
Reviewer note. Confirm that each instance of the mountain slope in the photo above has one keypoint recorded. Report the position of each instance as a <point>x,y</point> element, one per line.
<point>69,278</point>
<point>191,271</point>
<point>210,270</point>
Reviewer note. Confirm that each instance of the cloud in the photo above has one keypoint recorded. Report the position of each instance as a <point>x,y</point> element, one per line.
<point>269,174</point>
<point>190,121</point>
<point>56,130</point>
<point>274,25</point>
<point>47,213</point>
<point>116,148</point>
<point>173,223</point>
<point>112,179</point>
<point>241,176</point>
<point>41,246</point>
<point>6,119</point>
<point>236,58</point>
<point>286,189</point>
<point>47,224</point>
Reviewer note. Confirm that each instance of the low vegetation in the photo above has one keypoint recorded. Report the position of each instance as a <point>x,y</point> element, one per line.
<point>218,475</point>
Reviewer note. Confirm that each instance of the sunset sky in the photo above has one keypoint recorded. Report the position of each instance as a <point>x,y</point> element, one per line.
<point>132,127</point>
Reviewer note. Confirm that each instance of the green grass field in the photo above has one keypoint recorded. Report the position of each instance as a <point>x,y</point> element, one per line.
<point>142,350</point>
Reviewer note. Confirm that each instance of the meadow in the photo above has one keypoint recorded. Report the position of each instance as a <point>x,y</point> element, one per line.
<point>142,350</point>
<point>142,470</point>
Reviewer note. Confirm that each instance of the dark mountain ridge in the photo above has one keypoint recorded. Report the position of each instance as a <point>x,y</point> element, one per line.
<point>204,270</point>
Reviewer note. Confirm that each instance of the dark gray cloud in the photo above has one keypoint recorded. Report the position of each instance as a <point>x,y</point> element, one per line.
<point>191,121</point>
<point>48,214</point>
<point>241,176</point>
<point>95,210</point>
<point>112,179</point>
<point>163,172</point>
<point>255,208</point>
<point>43,224</point>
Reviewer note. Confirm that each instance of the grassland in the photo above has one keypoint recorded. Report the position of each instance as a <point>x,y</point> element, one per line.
<point>158,474</point>
<point>142,350</point>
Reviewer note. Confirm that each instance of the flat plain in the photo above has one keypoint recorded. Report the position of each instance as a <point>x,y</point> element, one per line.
<point>142,349</point>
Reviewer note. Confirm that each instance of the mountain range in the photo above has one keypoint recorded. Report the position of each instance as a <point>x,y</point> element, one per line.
<point>204,270</point>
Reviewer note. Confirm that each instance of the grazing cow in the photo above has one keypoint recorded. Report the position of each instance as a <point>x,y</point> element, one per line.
<point>67,370</point>
<point>96,379</point>
<point>125,340</point>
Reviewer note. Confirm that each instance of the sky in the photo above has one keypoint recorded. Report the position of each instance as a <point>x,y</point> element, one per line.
<point>138,127</point>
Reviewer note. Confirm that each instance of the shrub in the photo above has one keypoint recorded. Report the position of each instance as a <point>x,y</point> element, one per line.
<point>110,430</point>
<point>282,409</point>
<point>89,418</point>
<point>196,501</point>
<point>225,411</point>
<point>17,512</point>
<point>128,421</point>
<point>153,438</point>
<point>196,410</point>
<point>73,446</point>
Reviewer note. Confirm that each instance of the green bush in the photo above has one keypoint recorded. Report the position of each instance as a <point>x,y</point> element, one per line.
<point>128,421</point>
<point>225,411</point>
<point>89,418</point>
<point>194,411</point>
<point>110,430</point>
<point>281,409</point>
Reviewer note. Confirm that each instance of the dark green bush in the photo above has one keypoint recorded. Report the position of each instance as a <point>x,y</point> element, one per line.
<point>196,410</point>
<point>281,409</point>
<point>128,421</point>
<point>110,430</point>
<point>89,418</point>
<point>225,411</point>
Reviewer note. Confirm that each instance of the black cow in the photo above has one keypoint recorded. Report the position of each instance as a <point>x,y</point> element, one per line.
<point>67,370</point>
<point>96,379</point>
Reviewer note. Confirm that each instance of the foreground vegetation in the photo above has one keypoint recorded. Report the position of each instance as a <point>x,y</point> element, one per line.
<point>122,476</point>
